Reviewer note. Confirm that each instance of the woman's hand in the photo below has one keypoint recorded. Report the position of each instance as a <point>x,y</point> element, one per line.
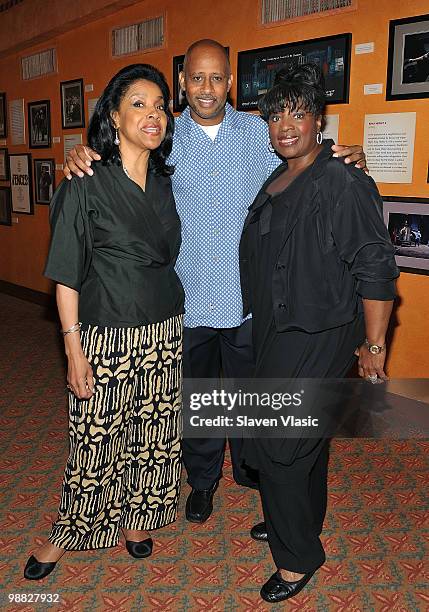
<point>80,377</point>
<point>371,366</point>
<point>79,161</point>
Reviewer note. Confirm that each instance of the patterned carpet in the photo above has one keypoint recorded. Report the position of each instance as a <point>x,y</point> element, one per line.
<point>376,534</point>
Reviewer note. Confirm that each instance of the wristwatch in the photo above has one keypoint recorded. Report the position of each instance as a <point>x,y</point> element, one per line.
<point>374,348</point>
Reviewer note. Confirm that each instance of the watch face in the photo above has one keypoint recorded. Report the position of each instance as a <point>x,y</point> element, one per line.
<point>374,349</point>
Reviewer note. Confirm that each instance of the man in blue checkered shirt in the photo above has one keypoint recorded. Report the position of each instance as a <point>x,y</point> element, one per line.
<point>221,159</point>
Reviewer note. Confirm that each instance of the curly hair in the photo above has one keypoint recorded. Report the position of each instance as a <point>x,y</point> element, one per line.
<point>101,131</point>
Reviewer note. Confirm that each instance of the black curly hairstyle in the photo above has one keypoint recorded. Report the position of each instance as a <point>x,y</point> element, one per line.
<point>101,131</point>
<point>295,88</point>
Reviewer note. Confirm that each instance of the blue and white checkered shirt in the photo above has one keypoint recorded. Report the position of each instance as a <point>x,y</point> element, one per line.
<point>214,184</point>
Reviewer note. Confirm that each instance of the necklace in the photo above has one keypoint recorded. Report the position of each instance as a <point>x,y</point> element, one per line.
<point>126,172</point>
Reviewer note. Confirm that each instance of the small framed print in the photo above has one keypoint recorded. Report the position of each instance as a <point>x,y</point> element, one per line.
<point>4,165</point>
<point>179,98</point>
<point>21,183</point>
<point>44,180</point>
<point>72,104</point>
<point>5,206</point>
<point>408,62</point>
<point>39,124</point>
<point>407,221</point>
<point>3,118</point>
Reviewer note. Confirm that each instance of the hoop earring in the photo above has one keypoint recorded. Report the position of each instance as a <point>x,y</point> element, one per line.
<point>116,141</point>
<point>319,138</point>
<point>270,147</point>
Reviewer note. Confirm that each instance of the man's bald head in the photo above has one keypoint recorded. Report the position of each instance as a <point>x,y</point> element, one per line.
<point>207,45</point>
<point>206,79</point>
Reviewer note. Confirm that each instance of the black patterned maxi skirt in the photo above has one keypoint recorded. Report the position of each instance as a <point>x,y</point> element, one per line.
<point>124,466</point>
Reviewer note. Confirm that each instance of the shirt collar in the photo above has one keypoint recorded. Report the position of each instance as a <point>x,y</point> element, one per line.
<point>231,120</point>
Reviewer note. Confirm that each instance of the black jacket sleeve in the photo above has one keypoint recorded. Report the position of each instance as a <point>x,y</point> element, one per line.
<point>363,241</point>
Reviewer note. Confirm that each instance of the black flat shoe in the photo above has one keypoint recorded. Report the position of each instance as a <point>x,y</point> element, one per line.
<point>140,550</point>
<point>36,570</point>
<point>259,532</point>
<point>199,504</point>
<point>276,589</point>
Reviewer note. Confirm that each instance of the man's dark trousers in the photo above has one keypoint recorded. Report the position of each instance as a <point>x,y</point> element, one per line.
<point>208,352</point>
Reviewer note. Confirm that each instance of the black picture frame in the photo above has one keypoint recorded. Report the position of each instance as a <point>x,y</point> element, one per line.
<point>3,115</point>
<point>5,206</point>
<point>21,183</point>
<point>408,59</point>
<point>404,217</point>
<point>179,98</point>
<point>72,104</point>
<point>257,67</point>
<point>4,164</point>
<point>44,180</point>
<point>39,124</point>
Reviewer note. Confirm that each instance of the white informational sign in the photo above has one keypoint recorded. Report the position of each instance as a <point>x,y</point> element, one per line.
<point>20,183</point>
<point>364,48</point>
<point>331,127</point>
<point>17,122</point>
<point>389,146</point>
<point>373,89</point>
<point>91,105</point>
<point>70,141</point>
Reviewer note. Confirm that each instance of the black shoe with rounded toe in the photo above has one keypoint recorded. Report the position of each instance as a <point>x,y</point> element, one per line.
<point>259,532</point>
<point>140,550</point>
<point>199,504</point>
<point>276,589</point>
<point>36,570</point>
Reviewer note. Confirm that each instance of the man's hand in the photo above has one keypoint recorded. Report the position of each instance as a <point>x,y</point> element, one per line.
<point>78,161</point>
<point>353,155</point>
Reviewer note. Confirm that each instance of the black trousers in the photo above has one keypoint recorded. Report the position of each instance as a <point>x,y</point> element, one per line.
<point>294,511</point>
<point>293,473</point>
<point>208,352</point>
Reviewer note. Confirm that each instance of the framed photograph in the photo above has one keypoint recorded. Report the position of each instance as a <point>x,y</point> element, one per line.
<point>5,206</point>
<point>39,124</point>
<point>257,68</point>
<point>3,117</point>
<point>72,104</point>
<point>179,97</point>
<point>21,183</point>
<point>4,165</point>
<point>44,180</point>
<point>408,62</point>
<point>407,220</point>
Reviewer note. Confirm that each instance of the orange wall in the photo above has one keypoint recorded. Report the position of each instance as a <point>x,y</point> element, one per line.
<point>85,52</point>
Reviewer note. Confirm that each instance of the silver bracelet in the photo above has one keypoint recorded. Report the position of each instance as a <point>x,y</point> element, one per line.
<point>72,329</point>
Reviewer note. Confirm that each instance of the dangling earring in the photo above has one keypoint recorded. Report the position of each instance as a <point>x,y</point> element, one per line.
<point>270,147</point>
<point>116,141</point>
<point>319,138</point>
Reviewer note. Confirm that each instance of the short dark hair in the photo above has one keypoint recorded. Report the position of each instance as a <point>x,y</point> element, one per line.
<point>300,87</point>
<point>101,130</point>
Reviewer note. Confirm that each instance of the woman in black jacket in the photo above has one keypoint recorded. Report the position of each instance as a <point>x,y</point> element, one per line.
<point>318,273</point>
